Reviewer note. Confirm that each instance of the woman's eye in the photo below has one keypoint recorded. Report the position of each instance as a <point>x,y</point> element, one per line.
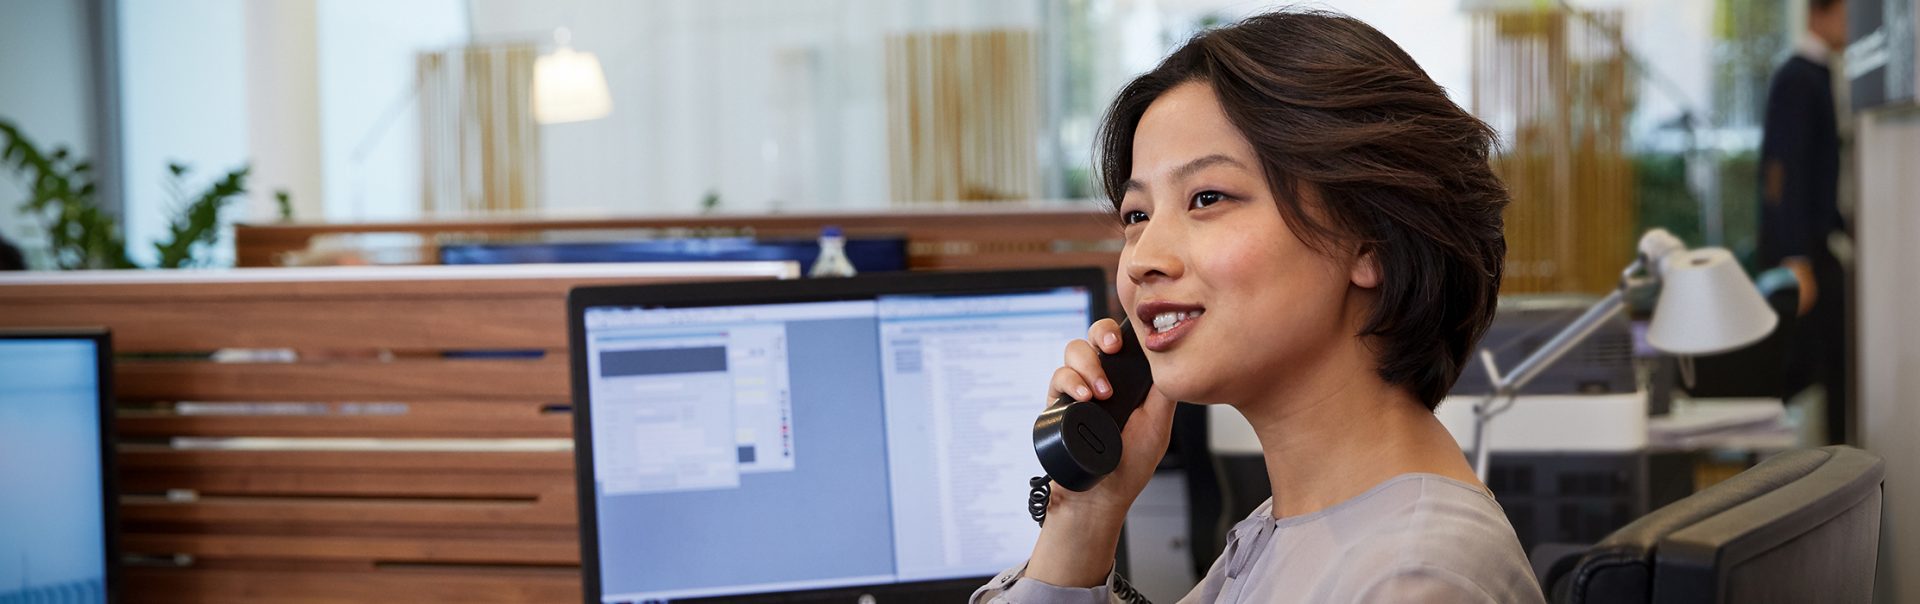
<point>1132,217</point>
<point>1206,198</point>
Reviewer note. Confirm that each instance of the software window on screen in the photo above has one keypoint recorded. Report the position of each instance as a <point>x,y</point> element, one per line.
<point>884,431</point>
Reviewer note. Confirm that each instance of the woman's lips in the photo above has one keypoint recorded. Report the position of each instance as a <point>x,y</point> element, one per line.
<point>1163,340</point>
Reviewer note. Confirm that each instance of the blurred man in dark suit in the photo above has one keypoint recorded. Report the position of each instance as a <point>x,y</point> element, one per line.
<point>1799,206</point>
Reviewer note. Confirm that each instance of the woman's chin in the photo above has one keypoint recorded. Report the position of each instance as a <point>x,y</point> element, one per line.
<point>1185,388</point>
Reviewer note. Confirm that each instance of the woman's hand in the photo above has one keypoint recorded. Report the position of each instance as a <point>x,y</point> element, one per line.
<point>1809,288</point>
<point>1145,435</point>
<point>1077,545</point>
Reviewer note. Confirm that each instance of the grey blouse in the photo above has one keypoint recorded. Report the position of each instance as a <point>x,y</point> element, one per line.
<point>1413,538</point>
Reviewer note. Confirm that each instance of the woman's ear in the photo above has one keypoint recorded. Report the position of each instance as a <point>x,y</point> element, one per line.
<point>1365,269</point>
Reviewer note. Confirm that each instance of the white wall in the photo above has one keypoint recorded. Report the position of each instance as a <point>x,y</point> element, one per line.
<point>1888,329</point>
<point>368,101</point>
<point>293,87</point>
<point>1676,39</point>
<point>702,89</point>
<point>183,91</point>
<point>771,103</point>
<point>290,87</point>
<point>44,62</point>
<point>1886,149</point>
<point>283,108</point>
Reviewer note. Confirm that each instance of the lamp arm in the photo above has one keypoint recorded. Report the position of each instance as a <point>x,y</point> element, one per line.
<point>1575,333</point>
<point>1509,385</point>
<point>1563,342</point>
<point>378,131</point>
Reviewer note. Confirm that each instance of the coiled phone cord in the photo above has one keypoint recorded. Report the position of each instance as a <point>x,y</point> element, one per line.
<point>1038,497</point>
<point>1039,494</point>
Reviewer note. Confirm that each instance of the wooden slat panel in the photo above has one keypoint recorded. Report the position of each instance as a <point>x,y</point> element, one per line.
<point>348,481</point>
<point>141,460</point>
<point>551,510</point>
<point>288,284</point>
<point>1042,234</point>
<point>259,245</point>
<point>326,526</point>
<point>406,324</point>
<point>502,533</point>
<point>303,584</point>
<point>438,419</point>
<point>400,380</point>
<point>354,426</point>
<point>900,219</point>
<point>412,549</point>
<point>988,261</point>
<point>347,473</point>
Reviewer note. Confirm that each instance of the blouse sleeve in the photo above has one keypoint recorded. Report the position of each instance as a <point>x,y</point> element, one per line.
<point>1013,587</point>
<point>1425,584</point>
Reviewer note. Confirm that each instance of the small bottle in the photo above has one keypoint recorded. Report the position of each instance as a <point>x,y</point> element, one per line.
<point>832,261</point>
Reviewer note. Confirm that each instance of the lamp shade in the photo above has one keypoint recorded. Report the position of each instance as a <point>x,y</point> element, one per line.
<point>1707,305</point>
<point>569,86</point>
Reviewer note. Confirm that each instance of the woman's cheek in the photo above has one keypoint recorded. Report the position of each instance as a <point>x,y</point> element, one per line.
<point>1230,260</point>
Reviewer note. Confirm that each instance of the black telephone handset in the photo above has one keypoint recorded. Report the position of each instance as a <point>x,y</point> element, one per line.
<point>1079,441</point>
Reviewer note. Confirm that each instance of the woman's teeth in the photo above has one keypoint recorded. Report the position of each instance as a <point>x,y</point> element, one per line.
<point>1169,320</point>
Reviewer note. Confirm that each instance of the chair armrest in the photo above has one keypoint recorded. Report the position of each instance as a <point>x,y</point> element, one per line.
<point>1551,560</point>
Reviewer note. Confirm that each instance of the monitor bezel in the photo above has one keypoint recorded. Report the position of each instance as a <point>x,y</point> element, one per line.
<point>102,340</point>
<point>734,293</point>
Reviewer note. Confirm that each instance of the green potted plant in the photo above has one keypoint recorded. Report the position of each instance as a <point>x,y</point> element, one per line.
<point>82,236</point>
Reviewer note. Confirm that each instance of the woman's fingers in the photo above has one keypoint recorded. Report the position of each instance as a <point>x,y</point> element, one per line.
<point>1067,382</point>
<point>1081,358</point>
<point>1105,333</point>
<point>1081,376</point>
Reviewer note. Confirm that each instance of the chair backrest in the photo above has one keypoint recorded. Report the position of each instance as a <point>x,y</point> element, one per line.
<point>392,434</point>
<point>1803,526</point>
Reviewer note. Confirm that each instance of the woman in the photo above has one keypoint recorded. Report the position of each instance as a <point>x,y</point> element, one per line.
<point>1313,236</point>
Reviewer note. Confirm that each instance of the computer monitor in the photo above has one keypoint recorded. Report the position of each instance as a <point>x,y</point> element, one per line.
<point>869,254</point>
<point>56,467</point>
<point>830,438</point>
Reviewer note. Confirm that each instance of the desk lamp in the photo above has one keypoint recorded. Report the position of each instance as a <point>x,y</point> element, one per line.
<point>1706,305</point>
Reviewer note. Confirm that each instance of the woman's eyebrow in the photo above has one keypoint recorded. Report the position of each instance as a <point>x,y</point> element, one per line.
<point>1187,169</point>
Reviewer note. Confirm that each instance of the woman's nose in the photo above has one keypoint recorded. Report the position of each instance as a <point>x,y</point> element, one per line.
<point>1155,254</point>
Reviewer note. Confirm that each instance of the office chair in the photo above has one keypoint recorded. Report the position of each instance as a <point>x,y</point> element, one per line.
<point>1803,526</point>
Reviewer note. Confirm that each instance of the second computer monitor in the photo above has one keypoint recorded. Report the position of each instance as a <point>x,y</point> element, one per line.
<point>57,496</point>
<point>859,436</point>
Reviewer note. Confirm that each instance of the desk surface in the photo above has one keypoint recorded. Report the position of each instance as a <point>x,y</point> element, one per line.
<point>1746,424</point>
<point>1554,423</point>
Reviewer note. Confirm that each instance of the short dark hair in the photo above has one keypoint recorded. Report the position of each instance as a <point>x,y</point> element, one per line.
<point>1821,4</point>
<point>1400,170</point>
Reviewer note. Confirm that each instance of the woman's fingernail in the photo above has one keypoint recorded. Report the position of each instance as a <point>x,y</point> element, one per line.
<point>1109,341</point>
<point>1102,385</point>
<point>1080,392</point>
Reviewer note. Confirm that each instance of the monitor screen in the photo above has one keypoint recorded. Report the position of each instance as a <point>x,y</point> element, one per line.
<point>867,439</point>
<point>868,254</point>
<point>54,533</point>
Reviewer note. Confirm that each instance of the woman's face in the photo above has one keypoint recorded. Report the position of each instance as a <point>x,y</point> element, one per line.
<point>1227,301</point>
